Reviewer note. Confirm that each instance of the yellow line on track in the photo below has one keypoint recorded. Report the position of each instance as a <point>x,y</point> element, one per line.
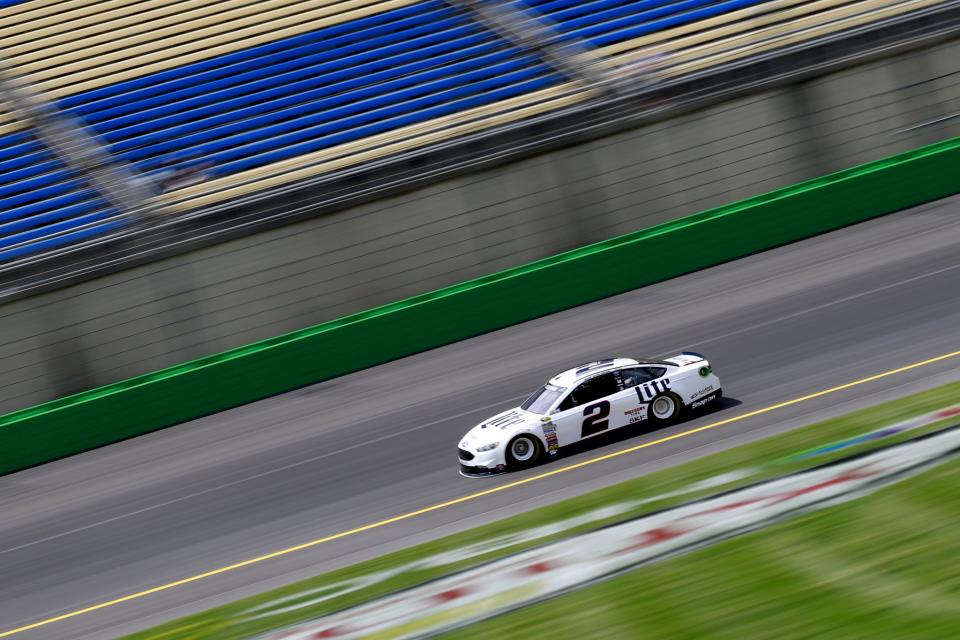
<point>473,496</point>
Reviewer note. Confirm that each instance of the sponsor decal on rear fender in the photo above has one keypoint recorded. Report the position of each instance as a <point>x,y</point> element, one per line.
<point>702,401</point>
<point>699,392</point>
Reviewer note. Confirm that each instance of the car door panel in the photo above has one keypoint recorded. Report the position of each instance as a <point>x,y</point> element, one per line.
<point>568,424</point>
<point>596,418</point>
<point>627,408</point>
<point>601,405</point>
<point>590,410</point>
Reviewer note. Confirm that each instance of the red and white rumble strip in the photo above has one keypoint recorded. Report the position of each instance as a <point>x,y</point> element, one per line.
<point>571,563</point>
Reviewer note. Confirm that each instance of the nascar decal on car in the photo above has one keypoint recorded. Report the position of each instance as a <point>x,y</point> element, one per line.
<point>650,390</point>
<point>637,414</point>
<point>550,435</point>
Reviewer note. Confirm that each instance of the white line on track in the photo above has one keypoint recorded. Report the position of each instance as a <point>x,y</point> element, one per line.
<point>825,305</point>
<point>253,477</point>
<point>425,425</point>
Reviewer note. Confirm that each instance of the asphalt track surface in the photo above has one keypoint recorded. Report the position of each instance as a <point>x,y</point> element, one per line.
<point>381,443</point>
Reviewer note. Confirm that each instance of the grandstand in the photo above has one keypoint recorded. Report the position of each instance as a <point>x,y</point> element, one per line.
<point>43,204</point>
<point>268,93</point>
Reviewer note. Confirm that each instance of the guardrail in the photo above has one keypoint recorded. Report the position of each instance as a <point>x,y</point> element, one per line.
<point>154,401</point>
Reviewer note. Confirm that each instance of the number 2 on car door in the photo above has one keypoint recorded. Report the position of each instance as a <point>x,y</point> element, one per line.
<point>595,418</point>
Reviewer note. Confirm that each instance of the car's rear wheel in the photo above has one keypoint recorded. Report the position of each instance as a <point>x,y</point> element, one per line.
<point>523,451</point>
<point>664,409</point>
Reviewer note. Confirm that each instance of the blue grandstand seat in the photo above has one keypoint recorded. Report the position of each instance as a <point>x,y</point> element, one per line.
<point>43,204</point>
<point>322,84</point>
<point>311,91</point>
<point>232,115</point>
<point>264,103</point>
<point>340,83</point>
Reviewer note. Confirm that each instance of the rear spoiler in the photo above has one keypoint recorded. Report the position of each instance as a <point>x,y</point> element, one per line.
<point>686,358</point>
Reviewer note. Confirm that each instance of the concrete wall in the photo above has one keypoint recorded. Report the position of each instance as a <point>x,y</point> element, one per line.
<point>256,287</point>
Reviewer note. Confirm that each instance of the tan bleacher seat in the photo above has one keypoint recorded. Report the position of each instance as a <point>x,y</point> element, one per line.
<point>67,47</point>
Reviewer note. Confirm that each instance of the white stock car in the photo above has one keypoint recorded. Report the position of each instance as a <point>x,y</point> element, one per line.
<point>585,401</point>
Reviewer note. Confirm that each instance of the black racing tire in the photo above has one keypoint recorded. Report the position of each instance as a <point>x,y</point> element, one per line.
<point>664,409</point>
<point>523,451</point>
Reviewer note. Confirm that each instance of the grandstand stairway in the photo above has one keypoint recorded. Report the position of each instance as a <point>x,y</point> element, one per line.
<point>43,204</point>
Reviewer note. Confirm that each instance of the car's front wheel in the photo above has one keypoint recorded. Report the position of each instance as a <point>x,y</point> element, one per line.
<point>523,451</point>
<point>664,409</point>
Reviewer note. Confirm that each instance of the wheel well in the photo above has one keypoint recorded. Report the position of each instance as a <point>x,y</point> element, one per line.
<point>539,439</point>
<point>539,444</point>
<point>678,400</point>
<point>673,394</point>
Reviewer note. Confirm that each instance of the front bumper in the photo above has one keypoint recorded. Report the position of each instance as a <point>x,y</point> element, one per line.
<point>481,463</point>
<point>492,460</point>
<point>480,472</point>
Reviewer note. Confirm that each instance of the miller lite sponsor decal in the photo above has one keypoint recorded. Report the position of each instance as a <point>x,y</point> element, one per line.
<point>650,390</point>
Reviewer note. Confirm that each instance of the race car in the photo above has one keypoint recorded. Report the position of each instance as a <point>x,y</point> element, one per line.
<point>585,401</point>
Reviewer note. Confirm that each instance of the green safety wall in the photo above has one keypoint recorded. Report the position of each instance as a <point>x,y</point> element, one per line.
<point>154,401</point>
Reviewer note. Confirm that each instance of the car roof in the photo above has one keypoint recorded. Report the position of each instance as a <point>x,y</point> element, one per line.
<point>579,373</point>
<point>570,377</point>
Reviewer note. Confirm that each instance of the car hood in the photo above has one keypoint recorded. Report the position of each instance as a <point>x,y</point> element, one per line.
<point>499,427</point>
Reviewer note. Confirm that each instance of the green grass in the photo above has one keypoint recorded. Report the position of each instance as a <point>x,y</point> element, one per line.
<point>883,566</point>
<point>755,583</point>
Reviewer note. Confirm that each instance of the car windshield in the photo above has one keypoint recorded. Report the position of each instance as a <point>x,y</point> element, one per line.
<point>542,400</point>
